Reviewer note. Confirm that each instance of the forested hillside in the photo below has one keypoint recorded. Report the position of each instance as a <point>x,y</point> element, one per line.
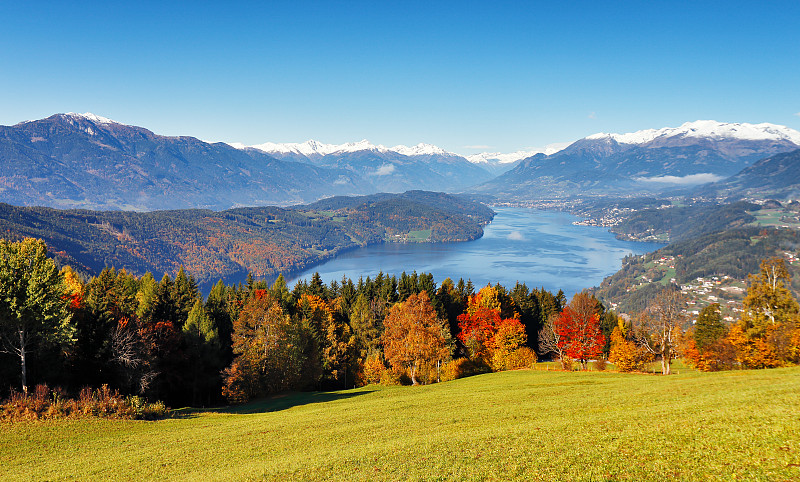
<point>735,253</point>
<point>679,223</point>
<point>264,241</point>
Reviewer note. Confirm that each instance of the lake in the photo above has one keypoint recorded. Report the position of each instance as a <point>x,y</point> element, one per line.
<point>539,248</point>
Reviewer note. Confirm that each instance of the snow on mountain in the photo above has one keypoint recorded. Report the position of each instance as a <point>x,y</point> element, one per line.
<point>75,116</point>
<point>422,149</point>
<point>707,129</point>
<point>91,117</point>
<point>312,148</point>
<point>508,158</point>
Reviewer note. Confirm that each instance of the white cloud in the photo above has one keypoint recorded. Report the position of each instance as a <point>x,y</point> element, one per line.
<point>515,236</point>
<point>798,114</point>
<point>341,181</point>
<point>384,170</point>
<point>592,115</point>
<point>701,178</point>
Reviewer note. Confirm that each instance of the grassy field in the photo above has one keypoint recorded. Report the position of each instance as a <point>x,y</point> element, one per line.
<point>775,218</point>
<point>419,235</point>
<point>523,425</point>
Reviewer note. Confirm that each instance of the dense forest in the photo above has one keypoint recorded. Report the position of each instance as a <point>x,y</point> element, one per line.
<point>264,241</point>
<point>162,339</point>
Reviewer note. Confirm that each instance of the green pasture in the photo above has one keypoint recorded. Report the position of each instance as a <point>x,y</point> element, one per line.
<point>420,235</point>
<point>519,425</point>
<point>774,218</point>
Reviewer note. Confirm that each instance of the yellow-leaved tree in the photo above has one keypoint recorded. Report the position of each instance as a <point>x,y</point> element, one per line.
<point>414,336</point>
<point>766,335</point>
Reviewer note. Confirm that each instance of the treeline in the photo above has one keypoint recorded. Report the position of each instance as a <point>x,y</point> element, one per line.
<point>264,241</point>
<point>161,339</point>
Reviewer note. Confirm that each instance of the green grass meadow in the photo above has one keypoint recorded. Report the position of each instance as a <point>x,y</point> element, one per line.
<point>519,425</point>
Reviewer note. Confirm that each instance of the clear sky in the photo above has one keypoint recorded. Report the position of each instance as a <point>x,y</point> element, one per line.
<point>467,76</point>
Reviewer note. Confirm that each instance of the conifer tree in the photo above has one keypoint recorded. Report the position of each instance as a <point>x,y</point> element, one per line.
<point>203,350</point>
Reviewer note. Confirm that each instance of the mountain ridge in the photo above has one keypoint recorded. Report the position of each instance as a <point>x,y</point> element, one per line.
<point>647,162</point>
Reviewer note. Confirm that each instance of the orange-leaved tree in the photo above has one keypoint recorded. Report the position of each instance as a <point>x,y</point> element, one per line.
<point>489,338</point>
<point>624,353</point>
<point>414,336</point>
<point>767,333</point>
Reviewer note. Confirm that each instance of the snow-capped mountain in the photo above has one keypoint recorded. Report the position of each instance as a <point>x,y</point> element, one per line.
<point>645,161</point>
<point>498,162</point>
<point>422,149</point>
<point>395,169</point>
<point>315,149</point>
<point>707,129</point>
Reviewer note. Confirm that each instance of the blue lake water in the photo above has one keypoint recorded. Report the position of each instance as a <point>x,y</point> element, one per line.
<point>539,248</point>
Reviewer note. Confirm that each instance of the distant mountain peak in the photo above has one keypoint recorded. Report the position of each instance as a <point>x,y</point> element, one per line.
<point>707,129</point>
<point>91,117</point>
<point>511,157</point>
<point>422,149</point>
<point>316,148</point>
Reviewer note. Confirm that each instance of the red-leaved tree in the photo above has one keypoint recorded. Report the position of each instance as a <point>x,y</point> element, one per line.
<point>578,329</point>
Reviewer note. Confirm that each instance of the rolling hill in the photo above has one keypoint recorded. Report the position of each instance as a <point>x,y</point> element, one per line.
<point>228,244</point>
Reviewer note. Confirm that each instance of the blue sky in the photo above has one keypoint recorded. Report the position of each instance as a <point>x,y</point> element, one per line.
<point>500,75</point>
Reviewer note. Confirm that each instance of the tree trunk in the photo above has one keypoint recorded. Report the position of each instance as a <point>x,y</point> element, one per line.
<point>23,362</point>
<point>414,374</point>
<point>666,356</point>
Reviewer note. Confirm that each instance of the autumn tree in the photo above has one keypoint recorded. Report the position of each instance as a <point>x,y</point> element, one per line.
<point>34,305</point>
<point>624,352</point>
<point>574,333</point>
<point>489,338</point>
<point>414,335</point>
<point>269,356</point>
<point>332,333</point>
<point>659,328</point>
<point>771,318</point>
<point>550,339</point>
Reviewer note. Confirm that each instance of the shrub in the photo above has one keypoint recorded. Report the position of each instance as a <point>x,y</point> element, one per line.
<point>600,364</point>
<point>373,369</point>
<point>44,403</point>
<point>567,364</point>
<point>522,357</point>
<point>462,367</point>
<point>390,376</point>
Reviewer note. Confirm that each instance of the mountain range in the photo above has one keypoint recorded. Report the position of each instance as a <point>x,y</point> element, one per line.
<point>87,161</point>
<point>394,169</point>
<point>643,162</point>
